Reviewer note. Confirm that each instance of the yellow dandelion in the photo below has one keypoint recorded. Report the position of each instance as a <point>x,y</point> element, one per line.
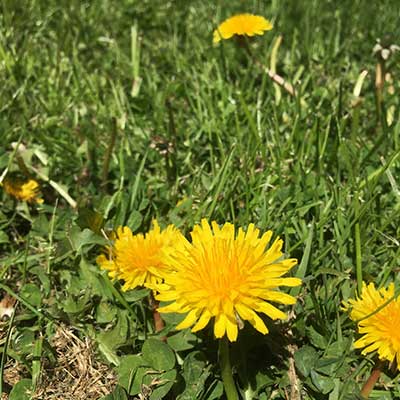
<point>226,276</point>
<point>242,24</point>
<point>378,323</point>
<point>23,190</point>
<point>138,260</point>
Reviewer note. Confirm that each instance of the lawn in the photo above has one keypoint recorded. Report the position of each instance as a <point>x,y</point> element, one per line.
<point>120,113</point>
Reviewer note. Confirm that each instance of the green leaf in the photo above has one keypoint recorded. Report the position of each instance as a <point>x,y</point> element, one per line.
<point>76,305</point>
<point>193,366</point>
<point>43,276</point>
<point>118,335</point>
<point>158,355</point>
<point>172,319</point>
<point>36,362</point>
<point>135,220</point>
<point>333,361</point>
<point>21,390</point>
<point>24,341</point>
<point>117,394</point>
<point>335,393</point>
<point>31,293</point>
<point>164,381</point>
<point>80,239</point>
<point>338,348</point>
<point>328,365</point>
<point>109,354</point>
<point>134,371</point>
<point>88,218</point>
<point>105,313</point>
<point>195,373</point>
<point>316,338</point>
<point>302,269</point>
<point>323,383</point>
<point>92,276</point>
<point>136,294</point>
<point>40,226</point>
<point>130,373</point>
<point>183,340</point>
<point>305,358</point>
<point>215,391</point>
<point>3,237</point>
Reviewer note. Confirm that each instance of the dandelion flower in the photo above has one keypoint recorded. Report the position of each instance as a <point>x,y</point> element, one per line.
<point>23,190</point>
<point>242,24</point>
<point>378,322</point>
<point>226,276</point>
<point>139,259</point>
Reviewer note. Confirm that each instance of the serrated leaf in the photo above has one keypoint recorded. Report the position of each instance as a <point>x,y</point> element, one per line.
<point>328,365</point>
<point>105,313</point>
<point>24,341</point>
<point>43,276</point>
<point>36,362</point>
<point>133,376</point>
<point>164,384</point>
<point>195,373</point>
<point>130,373</point>
<point>79,239</point>
<point>183,340</point>
<point>334,394</point>
<point>40,225</point>
<point>193,366</point>
<point>92,277</point>
<point>3,237</point>
<point>316,338</point>
<point>135,220</point>
<point>118,335</point>
<point>109,354</point>
<point>172,319</point>
<point>76,305</point>
<point>215,391</point>
<point>91,219</point>
<point>31,293</point>
<point>117,394</point>
<point>305,358</point>
<point>323,383</point>
<point>136,294</point>
<point>22,390</point>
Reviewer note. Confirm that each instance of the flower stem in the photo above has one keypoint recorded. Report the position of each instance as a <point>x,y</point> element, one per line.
<point>357,241</point>
<point>158,322</point>
<point>369,385</point>
<point>271,74</point>
<point>226,370</point>
<point>107,158</point>
<point>379,83</point>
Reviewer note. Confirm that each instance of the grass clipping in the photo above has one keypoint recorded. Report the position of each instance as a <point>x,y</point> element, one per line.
<point>77,374</point>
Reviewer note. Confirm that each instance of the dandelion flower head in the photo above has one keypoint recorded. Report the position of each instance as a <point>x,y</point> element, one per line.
<point>226,276</point>
<point>242,24</point>
<point>378,322</point>
<point>139,260</point>
<point>23,190</point>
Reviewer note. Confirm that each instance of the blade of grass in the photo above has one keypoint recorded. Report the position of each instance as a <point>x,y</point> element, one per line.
<point>302,269</point>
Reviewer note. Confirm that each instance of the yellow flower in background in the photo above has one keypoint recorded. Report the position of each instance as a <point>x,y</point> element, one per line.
<point>242,24</point>
<point>139,260</point>
<point>378,323</point>
<point>23,190</point>
<point>228,277</point>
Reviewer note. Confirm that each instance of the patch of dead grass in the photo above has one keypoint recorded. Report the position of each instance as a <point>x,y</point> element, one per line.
<point>77,374</point>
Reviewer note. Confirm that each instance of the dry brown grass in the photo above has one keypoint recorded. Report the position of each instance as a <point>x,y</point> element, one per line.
<point>77,375</point>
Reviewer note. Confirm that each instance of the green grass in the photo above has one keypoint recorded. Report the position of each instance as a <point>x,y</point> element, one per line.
<point>202,124</point>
